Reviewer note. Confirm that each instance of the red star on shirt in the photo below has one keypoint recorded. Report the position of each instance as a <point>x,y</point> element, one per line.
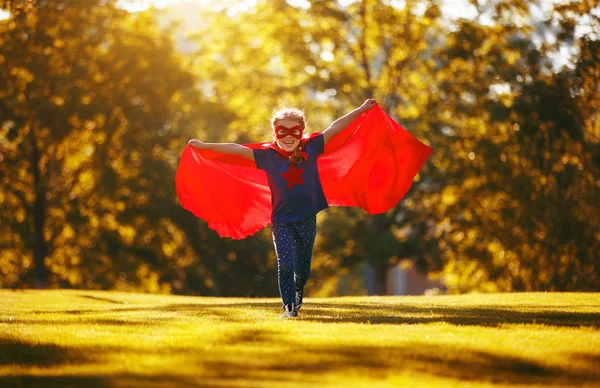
<point>293,176</point>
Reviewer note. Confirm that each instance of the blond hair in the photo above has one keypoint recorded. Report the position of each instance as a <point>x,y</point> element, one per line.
<point>286,112</point>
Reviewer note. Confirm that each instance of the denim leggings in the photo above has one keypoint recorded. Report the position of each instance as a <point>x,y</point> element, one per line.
<point>294,243</point>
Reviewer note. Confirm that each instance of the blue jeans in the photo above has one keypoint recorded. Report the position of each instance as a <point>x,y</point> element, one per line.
<point>294,243</point>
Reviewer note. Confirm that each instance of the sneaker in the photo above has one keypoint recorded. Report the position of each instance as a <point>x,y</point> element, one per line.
<point>299,294</point>
<point>290,311</point>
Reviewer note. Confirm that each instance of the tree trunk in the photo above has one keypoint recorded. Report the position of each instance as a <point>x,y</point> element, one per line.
<point>40,248</point>
<point>379,264</point>
<point>381,276</point>
<point>190,225</point>
<point>363,49</point>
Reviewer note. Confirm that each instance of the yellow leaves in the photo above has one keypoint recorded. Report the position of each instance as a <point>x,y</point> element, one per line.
<point>458,236</point>
<point>127,233</point>
<point>349,247</point>
<point>174,244</point>
<point>150,280</point>
<point>143,64</point>
<point>401,234</point>
<point>443,226</point>
<point>94,222</point>
<point>177,97</point>
<point>411,112</point>
<point>468,215</point>
<point>22,75</point>
<point>473,182</point>
<point>462,275</point>
<point>58,101</point>
<point>168,249</point>
<point>74,277</point>
<point>473,234</point>
<point>86,179</point>
<point>109,222</point>
<point>20,214</point>
<point>416,80</point>
<point>68,232</point>
<point>450,195</point>
<point>98,78</point>
<point>12,262</point>
<point>498,253</point>
<point>136,158</point>
<point>511,57</point>
<point>59,43</point>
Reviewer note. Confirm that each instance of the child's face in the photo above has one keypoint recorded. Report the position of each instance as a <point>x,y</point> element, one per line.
<point>288,143</point>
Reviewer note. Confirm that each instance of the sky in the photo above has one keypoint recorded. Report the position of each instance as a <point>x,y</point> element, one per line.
<point>451,8</point>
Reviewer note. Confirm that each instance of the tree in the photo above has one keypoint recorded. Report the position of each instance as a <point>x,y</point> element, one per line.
<point>515,210</point>
<point>85,91</point>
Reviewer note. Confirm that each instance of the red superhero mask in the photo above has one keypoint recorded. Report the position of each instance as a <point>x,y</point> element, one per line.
<point>282,131</point>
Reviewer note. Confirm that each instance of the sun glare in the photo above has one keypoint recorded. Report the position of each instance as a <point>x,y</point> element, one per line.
<point>142,5</point>
<point>4,14</point>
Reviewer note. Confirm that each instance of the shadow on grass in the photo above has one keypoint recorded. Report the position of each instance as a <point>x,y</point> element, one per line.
<point>261,355</point>
<point>373,313</point>
<point>14,352</point>
<point>116,321</point>
<point>591,361</point>
<point>446,362</point>
<point>308,365</point>
<point>464,316</point>
<point>97,381</point>
<point>96,298</point>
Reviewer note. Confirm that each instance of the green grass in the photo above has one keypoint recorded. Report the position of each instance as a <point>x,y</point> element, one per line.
<point>90,339</point>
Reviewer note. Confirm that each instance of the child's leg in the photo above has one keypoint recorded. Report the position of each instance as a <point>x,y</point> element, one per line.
<point>305,233</point>
<point>283,240</point>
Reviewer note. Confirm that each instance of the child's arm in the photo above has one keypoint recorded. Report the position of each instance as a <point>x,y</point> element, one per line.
<point>226,148</point>
<point>338,125</point>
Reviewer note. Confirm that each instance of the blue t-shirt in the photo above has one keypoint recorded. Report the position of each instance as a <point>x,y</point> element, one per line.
<point>296,191</point>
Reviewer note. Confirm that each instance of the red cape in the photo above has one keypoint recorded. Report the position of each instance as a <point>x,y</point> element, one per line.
<point>370,164</point>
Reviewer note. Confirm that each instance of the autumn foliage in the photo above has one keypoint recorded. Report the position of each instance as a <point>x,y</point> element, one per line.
<point>97,103</point>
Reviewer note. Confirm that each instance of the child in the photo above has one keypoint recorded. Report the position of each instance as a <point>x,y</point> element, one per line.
<point>296,192</point>
<point>365,159</point>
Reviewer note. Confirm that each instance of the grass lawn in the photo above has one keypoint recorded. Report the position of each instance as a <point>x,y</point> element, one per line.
<point>89,339</point>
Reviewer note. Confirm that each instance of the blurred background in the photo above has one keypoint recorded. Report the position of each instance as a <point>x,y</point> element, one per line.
<point>98,99</point>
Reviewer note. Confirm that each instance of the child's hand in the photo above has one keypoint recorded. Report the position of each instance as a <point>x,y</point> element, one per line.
<point>196,144</point>
<point>368,104</point>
